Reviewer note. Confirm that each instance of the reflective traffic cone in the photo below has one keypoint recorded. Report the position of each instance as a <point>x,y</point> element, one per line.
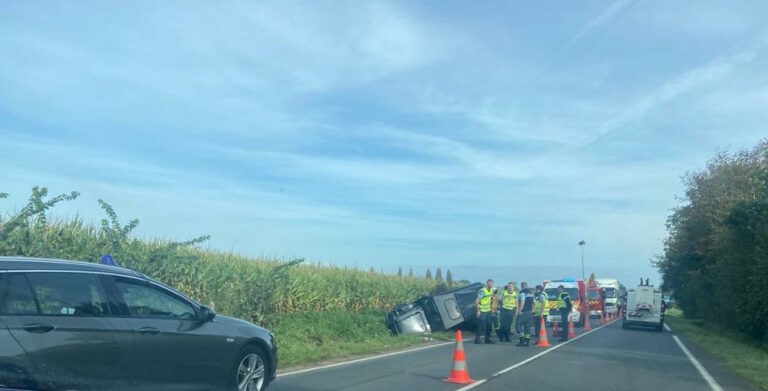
<point>587,323</point>
<point>602,318</point>
<point>459,373</point>
<point>571,329</point>
<point>543,340</point>
<point>555,329</point>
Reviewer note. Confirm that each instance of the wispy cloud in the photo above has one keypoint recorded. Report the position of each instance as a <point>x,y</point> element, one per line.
<point>605,16</point>
<point>600,20</point>
<point>378,133</point>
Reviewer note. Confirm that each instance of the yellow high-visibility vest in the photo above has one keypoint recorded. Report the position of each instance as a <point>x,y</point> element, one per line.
<point>510,300</point>
<point>485,299</point>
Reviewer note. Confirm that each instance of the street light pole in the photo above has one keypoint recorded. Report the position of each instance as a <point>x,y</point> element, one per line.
<point>582,243</point>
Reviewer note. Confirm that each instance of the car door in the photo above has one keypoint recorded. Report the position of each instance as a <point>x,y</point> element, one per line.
<point>15,368</point>
<point>173,349</point>
<point>63,322</point>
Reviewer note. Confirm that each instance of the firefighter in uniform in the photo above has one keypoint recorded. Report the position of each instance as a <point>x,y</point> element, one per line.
<point>508,311</point>
<point>485,297</point>
<point>540,310</point>
<point>564,306</point>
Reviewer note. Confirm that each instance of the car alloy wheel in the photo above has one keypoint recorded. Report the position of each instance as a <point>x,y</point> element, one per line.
<point>250,373</point>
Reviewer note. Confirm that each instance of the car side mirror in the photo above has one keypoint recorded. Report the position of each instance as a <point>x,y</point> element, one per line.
<point>207,314</point>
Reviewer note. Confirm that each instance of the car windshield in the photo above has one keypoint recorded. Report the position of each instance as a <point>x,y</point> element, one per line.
<point>552,293</point>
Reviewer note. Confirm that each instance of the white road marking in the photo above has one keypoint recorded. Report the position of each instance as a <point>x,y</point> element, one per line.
<point>529,359</point>
<point>713,385</point>
<point>667,327</point>
<point>359,360</point>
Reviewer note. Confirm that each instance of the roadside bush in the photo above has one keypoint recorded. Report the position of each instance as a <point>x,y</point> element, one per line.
<point>716,255</point>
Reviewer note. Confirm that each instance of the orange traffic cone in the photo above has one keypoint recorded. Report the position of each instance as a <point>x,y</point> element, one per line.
<point>543,340</point>
<point>459,374</point>
<point>587,323</point>
<point>571,330</point>
<point>555,329</point>
<point>602,318</point>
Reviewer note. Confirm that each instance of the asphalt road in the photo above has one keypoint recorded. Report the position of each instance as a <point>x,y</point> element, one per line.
<point>608,358</point>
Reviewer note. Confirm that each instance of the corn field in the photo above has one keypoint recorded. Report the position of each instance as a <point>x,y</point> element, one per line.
<point>248,288</point>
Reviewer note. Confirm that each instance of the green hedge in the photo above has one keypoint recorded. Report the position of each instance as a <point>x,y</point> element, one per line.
<point>716,256</point>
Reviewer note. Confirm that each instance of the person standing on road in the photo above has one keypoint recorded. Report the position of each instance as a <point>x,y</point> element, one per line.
<point>513,328</point>
<point>508,311</point>
<point>540,310</point>
<point>525,316</point>
<point>564,306</point>
<point>485,297</point>
<point>520,299</point>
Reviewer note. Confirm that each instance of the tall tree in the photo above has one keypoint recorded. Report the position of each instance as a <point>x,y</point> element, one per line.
<point>438,274</point>
<point>410,272</point>
<point>399,271</point>
<point>429,274</point>
<point>449,278</point>
<point>714,256</point>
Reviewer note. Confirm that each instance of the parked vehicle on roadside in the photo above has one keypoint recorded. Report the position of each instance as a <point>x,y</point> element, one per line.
<point>645,308</point>
<point>434,313</point>
<point>596,301</point>
<point>612,294</point>
<point>577,290</point>
<point>82,326</point>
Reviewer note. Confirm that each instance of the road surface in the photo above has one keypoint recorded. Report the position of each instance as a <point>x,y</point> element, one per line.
<point>607,358</point>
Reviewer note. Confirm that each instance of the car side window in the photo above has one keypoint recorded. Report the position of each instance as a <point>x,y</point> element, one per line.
<point>147,301</point>
<point>69,294</point>
<point>17,296</point>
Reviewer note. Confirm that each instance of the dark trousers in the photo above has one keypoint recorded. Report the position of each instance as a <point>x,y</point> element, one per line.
<point>506,323</point>
<point>564,323</point>
<point>484,325</point>
<point>524,324</point>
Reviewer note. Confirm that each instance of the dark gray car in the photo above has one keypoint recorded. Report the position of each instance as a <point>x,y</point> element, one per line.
<point>82,326</point>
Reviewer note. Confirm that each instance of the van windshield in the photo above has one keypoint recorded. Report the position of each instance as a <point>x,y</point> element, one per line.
<point>552,293</point>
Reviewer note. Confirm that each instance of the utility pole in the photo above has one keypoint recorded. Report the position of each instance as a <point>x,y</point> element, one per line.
<point>582,243</point>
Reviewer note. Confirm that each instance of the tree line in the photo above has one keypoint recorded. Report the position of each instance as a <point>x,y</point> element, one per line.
<point>716,254</point>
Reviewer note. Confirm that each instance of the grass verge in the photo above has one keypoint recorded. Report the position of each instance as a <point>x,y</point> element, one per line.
<point>314,337</point>
<point>735,350</point>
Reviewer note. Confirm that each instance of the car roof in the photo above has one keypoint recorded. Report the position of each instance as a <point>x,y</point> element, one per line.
<point>25,263</point>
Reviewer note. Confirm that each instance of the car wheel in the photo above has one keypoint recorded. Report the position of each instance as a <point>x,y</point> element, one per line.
<point>250,370</point>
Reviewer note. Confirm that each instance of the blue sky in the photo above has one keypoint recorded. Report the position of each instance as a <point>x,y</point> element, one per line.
<point>487,137</point>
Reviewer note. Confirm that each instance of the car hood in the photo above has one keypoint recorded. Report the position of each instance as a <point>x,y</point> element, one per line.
<point>239,323</point>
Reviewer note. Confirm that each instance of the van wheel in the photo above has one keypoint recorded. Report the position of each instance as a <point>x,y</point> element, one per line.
<point>250,370</point>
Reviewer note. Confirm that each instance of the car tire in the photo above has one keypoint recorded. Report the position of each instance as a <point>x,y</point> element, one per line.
<point>244,373</point>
